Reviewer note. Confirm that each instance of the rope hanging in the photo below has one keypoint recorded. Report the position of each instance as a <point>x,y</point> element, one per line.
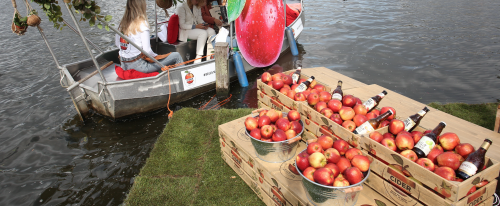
<point>19,30</point>
<point>33,19</point>
<point>182,63</point>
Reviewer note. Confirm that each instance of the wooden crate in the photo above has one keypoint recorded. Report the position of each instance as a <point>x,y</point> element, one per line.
<point>270,103</point>
<point>269,177</point>
<point>458,190</point>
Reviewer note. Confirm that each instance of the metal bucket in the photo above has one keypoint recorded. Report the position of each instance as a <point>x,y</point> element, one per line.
<point>276,152</point>
<point>319,194</point>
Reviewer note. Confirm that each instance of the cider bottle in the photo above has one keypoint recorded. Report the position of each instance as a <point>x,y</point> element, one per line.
<point>304,85</point>
<point>474,162</point>
<point>337,93</point>
<point>373,102</point>
<point>414,120</point>
<point>428,141</point>
<point>371,124</point>
<point>296,74</point>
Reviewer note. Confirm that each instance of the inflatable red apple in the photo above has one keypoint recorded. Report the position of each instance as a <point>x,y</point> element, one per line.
<point>260,31</point>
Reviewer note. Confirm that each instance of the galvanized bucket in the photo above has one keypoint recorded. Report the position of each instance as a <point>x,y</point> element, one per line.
<point>276,152</point>
<point>319,194</point>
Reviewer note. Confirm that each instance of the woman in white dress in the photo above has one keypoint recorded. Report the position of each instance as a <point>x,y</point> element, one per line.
<point>134,25</point>
<point>192,26</point>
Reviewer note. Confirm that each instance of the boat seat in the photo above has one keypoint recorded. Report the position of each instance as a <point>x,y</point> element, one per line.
<point>184,48</point>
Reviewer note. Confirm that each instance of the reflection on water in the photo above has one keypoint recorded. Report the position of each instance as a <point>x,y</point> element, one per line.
<point>444,51</point>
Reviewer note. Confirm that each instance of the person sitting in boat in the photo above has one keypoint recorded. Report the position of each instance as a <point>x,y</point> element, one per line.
<point>135,26</point>
<point>192,26</point>
<point>207,17</point>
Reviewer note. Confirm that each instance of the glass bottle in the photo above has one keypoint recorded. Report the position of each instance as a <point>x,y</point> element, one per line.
<point>414,120</point>
<point>373,102</point>
<point>304,85</point>
<point>337,93</point>
<point>427,142</point>
<point>474,162</point>
<point>296,74</point>
<point>371,124</point>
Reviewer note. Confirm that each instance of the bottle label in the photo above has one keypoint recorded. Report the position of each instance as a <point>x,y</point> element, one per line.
<point>381,95</point>
<point>295,78</point>
<point>468,168</point>
<point>369,104</point>
<point>421,113</point>
<point>302,87</point>
<point>426,144</point>
<point>337,96</point>
<point>364,128</point>
<point>409,123</point>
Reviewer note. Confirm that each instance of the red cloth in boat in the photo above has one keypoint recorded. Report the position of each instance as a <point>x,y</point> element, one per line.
<point>291,14</point>
<point>173,29</point>
<point>132,73</point>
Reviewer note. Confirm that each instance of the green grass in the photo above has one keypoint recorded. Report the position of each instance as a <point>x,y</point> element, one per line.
<point>481,114</point>
<point>185,167</point>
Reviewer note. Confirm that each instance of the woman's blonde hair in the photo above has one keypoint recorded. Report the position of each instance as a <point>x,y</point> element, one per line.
<point>135,15</point>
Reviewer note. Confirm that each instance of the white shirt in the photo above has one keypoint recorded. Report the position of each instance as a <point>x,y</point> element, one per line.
<point>142,39</point>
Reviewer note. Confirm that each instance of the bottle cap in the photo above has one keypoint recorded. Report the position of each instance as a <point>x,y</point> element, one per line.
<point>385,93</point>
<point>443,123</point>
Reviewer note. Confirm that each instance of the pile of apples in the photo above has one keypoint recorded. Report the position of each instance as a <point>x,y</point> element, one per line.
<point>271,126</point>
<point>284,84</point>
<point>444,159</point>
<point>332,163</point>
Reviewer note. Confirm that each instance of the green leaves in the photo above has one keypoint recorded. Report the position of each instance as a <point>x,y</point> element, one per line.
<point>397,158</point>
<point>108,18</point>
<point>234,8</point>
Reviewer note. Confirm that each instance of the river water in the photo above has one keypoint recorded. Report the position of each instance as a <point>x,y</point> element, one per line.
<point>444,51</point>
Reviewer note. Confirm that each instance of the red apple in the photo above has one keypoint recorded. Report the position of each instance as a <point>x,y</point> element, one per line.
<point>284,90</point>
<point>359,119</point>
<point>334,105</point>
<point>385,109</point>
<point>266,132</point>
<point>340,181</point>
<point>433,154</point>
<point>320,106</point>
<point>301,80</point>
<point>346,113</point>
<point>371,115</point>
<point>351,152</point>
<point>384,123</point>
<point>360,109</point>
<point>376,136</point>
<point>426,163</point>
<point>327,112</point>
<point>404,141</point>
<point>341,145</point>
<point>410,154</point>
<point>317,160</point>
<point>448,159</point>
<point>273,115</point>
<point>290,134</point>
<point>286,86</point>
<point>336,120</point>
<point>306,93</point>
<point>416,135</point>
<point>324,176</point>
<point>389,135</point>
<point>266,140</point>
<point>396,126</point>
<point>270,83</point>
<point>353,175</point>
<point>278,84</point>
<point>314,147</point>
<point>279,135</point>
<point>296,126</point>
<point>312,99</point>
<point>326,142</point>
<point>291,94</point>
<point>293,115</point>
<point>266,77</point>
<point>349,125</point>
<point>446,173</point>
<point>313,91</point>
<point>335,169</point>
<point>361,162</point>
<point>277,76</point>
<point>389,143</point>
<point>283,124</point>
<point>309,173</point>
<point>349,101</point>
<point>332,155</point>
<point>299,97</point>
<point>263,112</point>
<point>343,164</point>
<point>319,87</point>
<point>325,96</point>
<point>358,101</point>
<point>439,147</point>
<point>251,123</point>
<point>449,141</point>
<point>293,87</point>
<point>264,120</point>
<point>302,160</point>
<point>464,149</point>
<point>376,111</point>
<point>255,133</point>
<point>287,79</point>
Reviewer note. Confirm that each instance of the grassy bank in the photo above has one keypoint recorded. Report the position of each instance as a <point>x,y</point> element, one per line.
<point>185,167</point>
